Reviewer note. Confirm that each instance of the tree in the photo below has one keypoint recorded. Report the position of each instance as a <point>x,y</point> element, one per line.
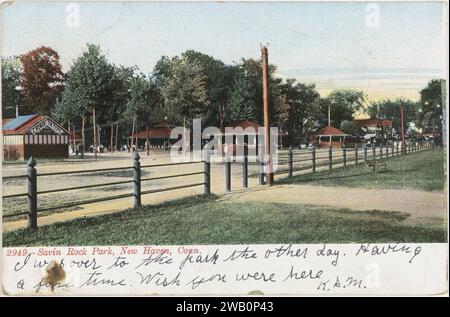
<point>93,83</point>
<point>343,104</point>
<point>349,127</point>
<point>429,114</point>
<point>219,78</point>
<point>390,109</point>
<point>295,106</point>
<point>252,70</point>
<point>242,101</point>
<point>41,79</point>
<point>144,106</point>
<point>182,83</point>
<point>120,86</point>
<point>10,92</point>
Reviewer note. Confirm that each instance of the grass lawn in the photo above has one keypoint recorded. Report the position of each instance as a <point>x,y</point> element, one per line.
<point>204,220</point>
<point>420,170</point>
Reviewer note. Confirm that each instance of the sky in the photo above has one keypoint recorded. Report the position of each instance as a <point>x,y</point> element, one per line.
<point>388,50</point>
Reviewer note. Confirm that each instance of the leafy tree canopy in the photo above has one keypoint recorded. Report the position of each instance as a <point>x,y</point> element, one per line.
<point>343,105</point>
<point>10,93</point>
<point>390,109</point>
<point>349,127</point>
<point>41,79</point>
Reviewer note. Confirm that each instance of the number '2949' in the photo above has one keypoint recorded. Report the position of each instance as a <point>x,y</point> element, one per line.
<point>16,252</point>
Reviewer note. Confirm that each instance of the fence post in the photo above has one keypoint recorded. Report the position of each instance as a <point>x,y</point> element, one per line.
<point>314,158</point>
<point>261,165</point>
<point>137,180</point>
<point>290,161</point>
<point>207,170</point>
<point>381,150</point>
<point>397,147</point>
<point>245,171</point>
<point>387,151</point>
<point>32,193</point>
<point>374,153</point>
<point>392,149</point>
<point>356,154</point>
<point>330,157</point>
<point>228,174</point>
<point>344,153</point>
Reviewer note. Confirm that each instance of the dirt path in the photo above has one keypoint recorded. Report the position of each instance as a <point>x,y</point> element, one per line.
<point>419,205</point>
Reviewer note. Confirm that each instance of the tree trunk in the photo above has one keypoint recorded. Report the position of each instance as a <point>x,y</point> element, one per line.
<point>117,133</point>
<point>83,141</point>
<point>73,137</point>
<point>184,135</point>
<point>112,138</point>
<point>94,133</point>
<point>132,134</point>
<point>98,139</point>
<point>136,141</point>
<point>148,143</point>
<point>70,133</point>
<point>222,116</point>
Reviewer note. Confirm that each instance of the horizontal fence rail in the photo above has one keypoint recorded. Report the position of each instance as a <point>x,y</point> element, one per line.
<point>329,157</point>
<point>32,194</point>
<point>292,161</point>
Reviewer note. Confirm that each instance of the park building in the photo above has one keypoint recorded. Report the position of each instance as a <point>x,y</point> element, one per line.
<point>34,135</point>
<point>158,136</point>
<point>375,128</point>
<point>330,136</point>
<point>252,139</point>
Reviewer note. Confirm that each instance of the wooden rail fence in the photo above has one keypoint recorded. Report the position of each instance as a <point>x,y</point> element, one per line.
<point>32,193</point>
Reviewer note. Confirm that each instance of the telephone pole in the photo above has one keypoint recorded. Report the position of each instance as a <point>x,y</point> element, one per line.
<point>267,158</point>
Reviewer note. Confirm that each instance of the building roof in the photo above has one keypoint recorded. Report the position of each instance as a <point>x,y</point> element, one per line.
<point>373,122</point>
<point>247,123</point>
<point>15,123</point>
<point>244,124</point>
<point>330,130</point>
<point>21,124</point>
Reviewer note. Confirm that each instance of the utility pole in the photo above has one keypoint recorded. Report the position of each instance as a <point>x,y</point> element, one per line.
<point>268,158</point>
<point>403,129</point>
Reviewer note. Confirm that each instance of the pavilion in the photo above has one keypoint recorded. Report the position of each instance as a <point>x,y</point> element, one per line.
<point>330,136</point>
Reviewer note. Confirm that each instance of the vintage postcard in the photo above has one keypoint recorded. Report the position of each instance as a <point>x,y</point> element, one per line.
<point>224,148</point>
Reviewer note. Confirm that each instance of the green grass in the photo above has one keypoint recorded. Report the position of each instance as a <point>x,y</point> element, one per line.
<point>203,220</point>
<point>420,170</point>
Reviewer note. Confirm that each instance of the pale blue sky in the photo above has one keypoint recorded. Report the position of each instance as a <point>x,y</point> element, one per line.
<point>326,43</point>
